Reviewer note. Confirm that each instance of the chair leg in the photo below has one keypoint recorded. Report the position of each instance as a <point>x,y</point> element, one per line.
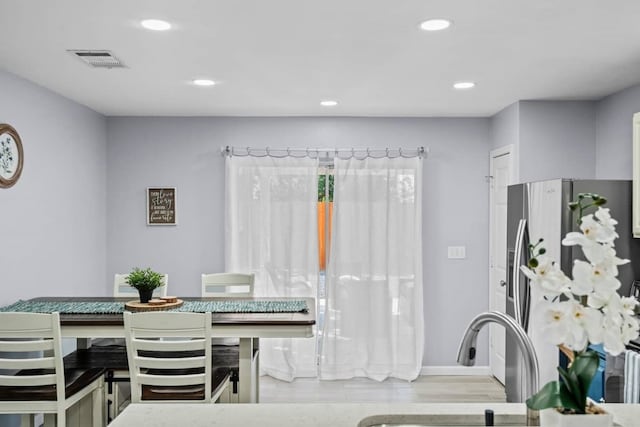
<point>234,388</point>
<point>244,370</point>
<point>51,420</point>
<point>255,373</point>
<point>27,420</point>
<point>225,396</point>
<point>97,401</point>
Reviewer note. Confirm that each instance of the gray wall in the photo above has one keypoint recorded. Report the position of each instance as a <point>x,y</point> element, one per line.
<point>552,139</point>
<point>556,140</point>
<point>505,127</point>
<point>614,115</point>
<point>52,221</point>
<point>184,153</point>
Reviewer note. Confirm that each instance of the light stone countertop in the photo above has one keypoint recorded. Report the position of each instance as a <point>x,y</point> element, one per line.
<point>317,414</point>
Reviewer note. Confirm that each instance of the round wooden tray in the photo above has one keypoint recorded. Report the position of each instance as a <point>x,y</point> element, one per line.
<point>136,305</point>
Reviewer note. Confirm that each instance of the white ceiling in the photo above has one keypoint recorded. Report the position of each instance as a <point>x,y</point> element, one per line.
<point>282,57</point>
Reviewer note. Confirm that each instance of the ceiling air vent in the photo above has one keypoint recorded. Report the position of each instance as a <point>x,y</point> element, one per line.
<point>98,58</point>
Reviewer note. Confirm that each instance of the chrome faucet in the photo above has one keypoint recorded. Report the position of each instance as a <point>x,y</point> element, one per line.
<point>467,350</point>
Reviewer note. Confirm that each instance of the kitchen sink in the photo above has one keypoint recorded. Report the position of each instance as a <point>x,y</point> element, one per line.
<point>437,420</point>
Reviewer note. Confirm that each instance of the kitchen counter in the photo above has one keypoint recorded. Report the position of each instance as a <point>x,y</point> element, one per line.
<point>316,414</point>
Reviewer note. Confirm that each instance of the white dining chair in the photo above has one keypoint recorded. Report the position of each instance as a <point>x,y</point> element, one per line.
<point>170,358</point>
<point>118,378</point>
<point>112,353</point>
<point>227,285</point>
<point>226,351</point>
<point>34,379</point>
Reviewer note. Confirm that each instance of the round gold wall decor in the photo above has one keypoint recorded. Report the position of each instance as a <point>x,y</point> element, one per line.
<point>11,156</point>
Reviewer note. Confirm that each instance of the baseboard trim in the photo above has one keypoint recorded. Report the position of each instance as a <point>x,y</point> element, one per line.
<point>455,370</point>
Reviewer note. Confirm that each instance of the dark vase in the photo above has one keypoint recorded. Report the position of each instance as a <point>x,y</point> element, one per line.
<point>145,294</point>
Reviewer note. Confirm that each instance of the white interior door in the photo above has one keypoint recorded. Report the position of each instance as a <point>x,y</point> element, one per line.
<point>500,165</point>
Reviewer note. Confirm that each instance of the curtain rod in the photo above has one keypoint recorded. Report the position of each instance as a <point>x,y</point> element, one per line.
<point>328,152</point>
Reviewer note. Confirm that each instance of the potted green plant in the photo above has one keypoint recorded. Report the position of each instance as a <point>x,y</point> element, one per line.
<point>145,281</point>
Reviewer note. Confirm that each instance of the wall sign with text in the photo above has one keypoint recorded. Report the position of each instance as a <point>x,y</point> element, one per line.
<point>161,206</point>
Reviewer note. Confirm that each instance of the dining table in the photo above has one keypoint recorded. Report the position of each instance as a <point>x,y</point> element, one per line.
<point>248,319</point>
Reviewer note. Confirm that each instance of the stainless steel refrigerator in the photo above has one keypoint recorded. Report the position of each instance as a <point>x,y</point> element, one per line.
<point>539,210</point>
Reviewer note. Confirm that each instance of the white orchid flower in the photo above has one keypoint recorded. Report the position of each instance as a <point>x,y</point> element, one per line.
<point>619,326</point>
<point>608,302</point>
<point>590,227</point>
<point>628,305</point>
<point>547,277</point>
<point>612,337</point>
<point>607,230</point>
<point>555,320</point>
<point>573,238</point>
<point>622,306</point>
<point>595,252</point>
<point>630,329</point>
<point>588,278</point>
<point>585,326</point>
<point>599,227</point>
<point>594,312</point>
<point>609,262</point>
<point>584,274</point>
<point>612,342</point>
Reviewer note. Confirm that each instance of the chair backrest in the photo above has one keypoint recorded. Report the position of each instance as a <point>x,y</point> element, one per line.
<point>227,285</point>
<point>163,363</point>
<point>33,341</point>
<point>121,289</point>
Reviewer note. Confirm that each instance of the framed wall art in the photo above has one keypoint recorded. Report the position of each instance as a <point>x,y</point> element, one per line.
<point>161,206</point>
<point>11,156</point>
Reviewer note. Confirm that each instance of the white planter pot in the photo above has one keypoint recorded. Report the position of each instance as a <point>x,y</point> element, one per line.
<point>553,418</point>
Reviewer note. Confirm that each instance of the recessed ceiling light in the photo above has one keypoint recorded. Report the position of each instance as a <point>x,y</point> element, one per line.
<point>328,103</point>
<point>155,24</point>
<point>203,82</point>
<point>464,85</point>
<point>435,24</point>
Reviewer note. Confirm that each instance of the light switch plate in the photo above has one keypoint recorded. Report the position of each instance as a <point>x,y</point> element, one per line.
<point>457,252</point>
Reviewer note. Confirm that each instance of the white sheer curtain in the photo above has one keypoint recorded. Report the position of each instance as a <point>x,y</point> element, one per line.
<point>271,230</point>
<point>374,320</point>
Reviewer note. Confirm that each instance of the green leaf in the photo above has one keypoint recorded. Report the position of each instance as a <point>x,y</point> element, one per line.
<point>583,369</point>
<point>547,397</point>
<point>553,395</point>
<point>570,391</point>
<point>569,401</point>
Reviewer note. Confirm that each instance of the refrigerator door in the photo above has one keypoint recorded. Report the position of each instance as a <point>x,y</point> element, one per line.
<point>546,206</point>
<point>536,209</point>
<point>618,194</point>
<point>516,219</point>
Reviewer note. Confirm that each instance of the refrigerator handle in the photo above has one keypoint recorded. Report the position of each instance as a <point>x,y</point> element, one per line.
<point>515,279</point>
<point>526,298</point>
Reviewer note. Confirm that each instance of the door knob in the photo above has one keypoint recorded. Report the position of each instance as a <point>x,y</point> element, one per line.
<point>503,283</point>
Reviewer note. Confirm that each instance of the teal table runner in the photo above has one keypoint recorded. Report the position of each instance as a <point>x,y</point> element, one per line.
<point>108,307</point>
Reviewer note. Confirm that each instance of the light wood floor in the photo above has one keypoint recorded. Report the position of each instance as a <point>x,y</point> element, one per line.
<point>360,390</point>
